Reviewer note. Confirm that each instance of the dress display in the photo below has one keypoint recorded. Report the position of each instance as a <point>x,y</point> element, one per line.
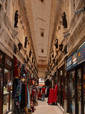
<point>51,96</point>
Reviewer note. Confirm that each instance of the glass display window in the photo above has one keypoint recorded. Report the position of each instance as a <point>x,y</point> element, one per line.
<point>79,89</point>
<point>7,91</point>
<point>71,92</point>
<point>1,89</point>
<point>84,87</point>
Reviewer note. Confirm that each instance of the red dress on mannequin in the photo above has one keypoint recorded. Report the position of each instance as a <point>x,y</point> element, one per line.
<point>51,96</point>
<point>55,94</point>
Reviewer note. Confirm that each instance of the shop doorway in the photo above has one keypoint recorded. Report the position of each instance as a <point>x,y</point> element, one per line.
<point>71,92</point>
<point>7,91</point>
<point>79,86</point>
<point>7,84</point>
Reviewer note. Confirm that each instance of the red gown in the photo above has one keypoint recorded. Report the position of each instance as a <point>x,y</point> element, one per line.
<point>55,94</point>
<point>51,96</point>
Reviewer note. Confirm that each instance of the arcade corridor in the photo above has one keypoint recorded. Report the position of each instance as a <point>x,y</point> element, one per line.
<point>42,56</point>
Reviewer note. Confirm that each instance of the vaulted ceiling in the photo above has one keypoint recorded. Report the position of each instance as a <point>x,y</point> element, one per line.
<point>42,17</point>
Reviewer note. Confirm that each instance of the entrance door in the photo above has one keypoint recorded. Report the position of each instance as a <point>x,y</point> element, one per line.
<point>83,90</point>
<point>79,87</point>
<point>1,81</point>
<point>7,91</point>
<point>1,91</point>
<point>72,92</point>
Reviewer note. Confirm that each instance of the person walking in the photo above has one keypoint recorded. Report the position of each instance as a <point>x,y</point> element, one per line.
<point>39,94</point>
<point>43,93</point>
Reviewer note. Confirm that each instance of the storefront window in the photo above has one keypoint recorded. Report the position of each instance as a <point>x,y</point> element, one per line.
<point>72,92</point>
<point>1,89</point>
<point>79,89</point>
<point>84,87</point>
<point>7,91</point>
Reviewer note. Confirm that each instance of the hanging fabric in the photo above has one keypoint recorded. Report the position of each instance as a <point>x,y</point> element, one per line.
<point>22,104</point>
<point>55,94</point>
<point>28,93</point>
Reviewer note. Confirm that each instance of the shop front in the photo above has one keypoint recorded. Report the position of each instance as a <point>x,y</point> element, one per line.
<point>5,83</point>
<point>81,62</point>
<point>1,81</point>
<point>76,81</point>
<point>61,85</point>
<point>71,61</point>
<point>21,88</point>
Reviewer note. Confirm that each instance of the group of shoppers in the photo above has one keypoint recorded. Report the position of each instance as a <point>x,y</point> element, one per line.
<point>49,92</point>
<point>41,93</point>
<point>52,97</point>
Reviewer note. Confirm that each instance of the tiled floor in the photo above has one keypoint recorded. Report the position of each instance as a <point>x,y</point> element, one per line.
<point>44,108</point>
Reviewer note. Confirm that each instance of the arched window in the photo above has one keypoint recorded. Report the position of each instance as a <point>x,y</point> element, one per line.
<point>61,47</point>
<point>56,43</point>
<point>25,43</point>
<point>16,19</point>
<point>19,46</point>
<point>64,19</point>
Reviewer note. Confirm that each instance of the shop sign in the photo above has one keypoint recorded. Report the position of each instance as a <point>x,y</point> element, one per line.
<point>81,53</point>
<point>74,59</point>
<point>69,63</point>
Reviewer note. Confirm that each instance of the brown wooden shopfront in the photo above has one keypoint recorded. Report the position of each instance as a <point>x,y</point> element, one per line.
<point>76,81</point>
<point>1,81</point>
<point>6,76</point>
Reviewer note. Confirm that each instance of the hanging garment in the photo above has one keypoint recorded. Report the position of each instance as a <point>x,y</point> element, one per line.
<point>55,94</point>
<point>22,104</point>
<point>26,96</point>
<point>43,90</point>
<point>51,96</point>
<point>28,93</point>
<point>34,95</point>
<point>15,84</point>
<point>16,73</point>
<point>17,95</point>
<point>18,91</point>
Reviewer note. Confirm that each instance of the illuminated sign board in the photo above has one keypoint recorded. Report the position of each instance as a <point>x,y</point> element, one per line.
<point>81,53</point>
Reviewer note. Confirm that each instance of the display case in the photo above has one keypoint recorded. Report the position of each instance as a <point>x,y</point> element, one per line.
<point>7,85</point>
<point>79,89</point>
